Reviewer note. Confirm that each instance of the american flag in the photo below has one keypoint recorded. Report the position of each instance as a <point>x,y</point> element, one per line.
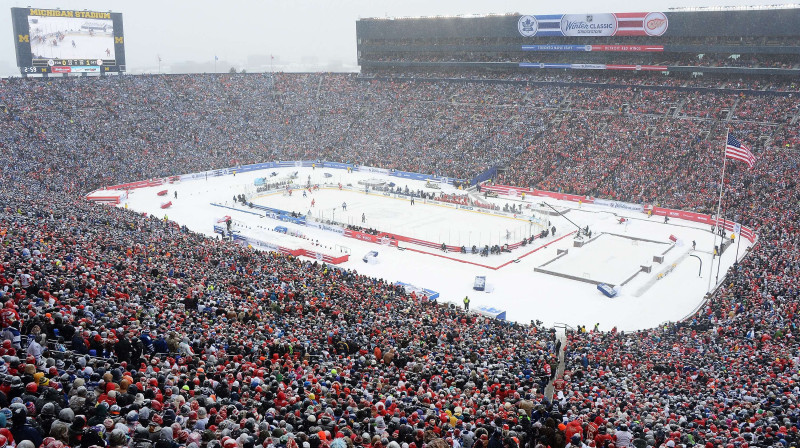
<point>734,149</point>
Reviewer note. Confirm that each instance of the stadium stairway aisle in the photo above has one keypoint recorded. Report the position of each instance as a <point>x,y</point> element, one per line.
<point>562,336</point>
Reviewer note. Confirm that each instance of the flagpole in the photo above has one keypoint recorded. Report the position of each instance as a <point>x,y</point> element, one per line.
<point>736,260</point>
<point>721,242</point>
<point>719,207</point>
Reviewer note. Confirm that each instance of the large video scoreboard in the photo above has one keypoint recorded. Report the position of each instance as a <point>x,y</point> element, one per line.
<point>68,41</point>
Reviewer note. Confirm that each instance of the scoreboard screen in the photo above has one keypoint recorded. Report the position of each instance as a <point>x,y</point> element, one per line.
<point>68,41</point>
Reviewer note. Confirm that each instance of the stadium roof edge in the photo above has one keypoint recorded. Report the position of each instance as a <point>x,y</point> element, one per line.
<point>735,8</point>
<point>456,16</point>
<point>672,9</point>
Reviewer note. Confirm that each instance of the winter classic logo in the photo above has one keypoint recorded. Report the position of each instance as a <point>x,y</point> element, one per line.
<point>528,26</point>
<point>588,24</point>
<point>655,24</point>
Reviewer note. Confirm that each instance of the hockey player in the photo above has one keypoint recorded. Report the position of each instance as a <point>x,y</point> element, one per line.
<point>312,202</point>
<point>344,206</point>
<point>363,218</point>
<point>304,194</point>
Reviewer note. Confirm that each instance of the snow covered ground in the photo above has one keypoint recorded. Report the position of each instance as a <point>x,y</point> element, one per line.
<point>513,285</point>
<point>608,258</point>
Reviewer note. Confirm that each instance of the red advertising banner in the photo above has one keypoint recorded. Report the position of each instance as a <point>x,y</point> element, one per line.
<point>135,185</point>
<point>564,196</point>
<point>636,48</point>
<point>656,68</point>
<point>115,200</point>
<point>381,238</point>
<point>506,190</point>
<point>699,217</point>
<point>330,259</point>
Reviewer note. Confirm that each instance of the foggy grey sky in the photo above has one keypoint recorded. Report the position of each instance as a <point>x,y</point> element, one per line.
<point>303,35</point>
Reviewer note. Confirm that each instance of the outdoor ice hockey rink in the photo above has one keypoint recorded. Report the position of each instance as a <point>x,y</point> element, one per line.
<point>670,289</point>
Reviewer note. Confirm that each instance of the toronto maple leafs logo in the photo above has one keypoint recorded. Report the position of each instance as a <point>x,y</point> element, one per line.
<point>528,26</point>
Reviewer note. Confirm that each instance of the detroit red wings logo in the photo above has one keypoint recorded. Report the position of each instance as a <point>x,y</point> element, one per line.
<point>655,24</point>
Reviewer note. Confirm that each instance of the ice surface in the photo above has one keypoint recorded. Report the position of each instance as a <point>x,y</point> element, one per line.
<point>429,222</point>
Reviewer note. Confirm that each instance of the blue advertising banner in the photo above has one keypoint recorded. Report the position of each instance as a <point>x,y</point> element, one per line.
<point>336,165</point>
<point>429,293</point>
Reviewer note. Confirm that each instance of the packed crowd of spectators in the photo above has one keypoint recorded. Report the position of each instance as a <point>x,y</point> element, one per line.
<point>661,59</point>
<point>175,339</point>
<point>465,199</point>
<point>127,330</point>
<point>705,41</point>
<point>634,79</point>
